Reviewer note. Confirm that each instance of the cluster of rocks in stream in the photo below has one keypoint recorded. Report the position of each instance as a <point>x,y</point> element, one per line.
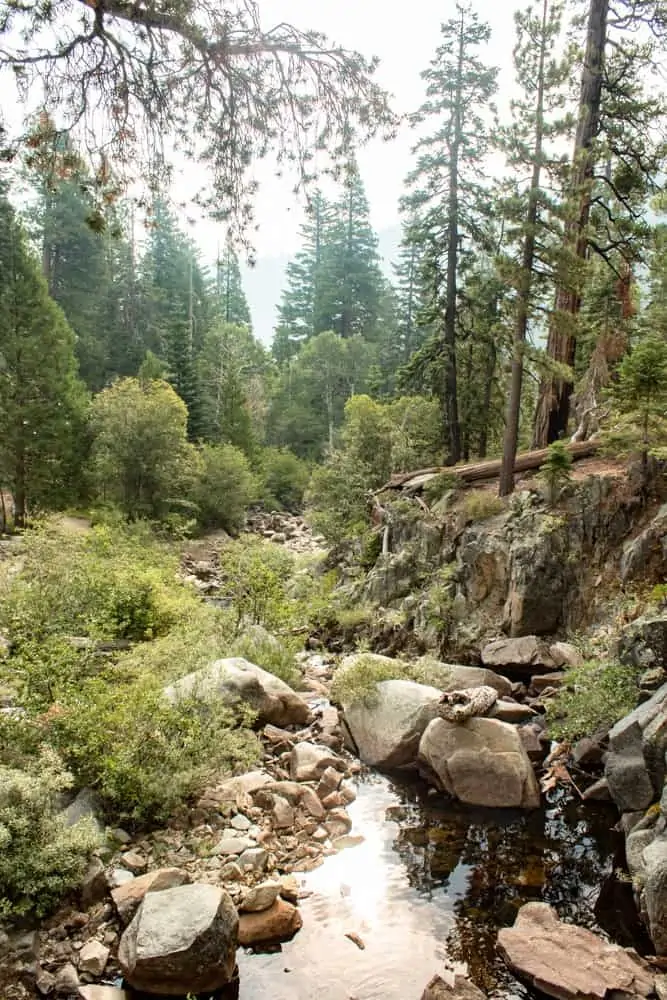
<point>166,912</point>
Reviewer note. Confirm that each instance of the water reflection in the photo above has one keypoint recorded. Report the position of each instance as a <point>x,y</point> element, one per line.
<point>430,886</point>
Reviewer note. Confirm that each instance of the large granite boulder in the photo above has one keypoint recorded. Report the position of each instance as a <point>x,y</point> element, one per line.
<point>454,677</point>
<point>460,989</point>
<point>386,728</point>
<point>643,644</point>
<point>646,555</point>
<point>279,922</point>
<point>233,680</point>
<point>569,962</point>
<point>129,896</point>
<point>646,855</point>
<point>526,655</point>
<point>635,765</point>
<point>481,762</point>
<point>181,941</point>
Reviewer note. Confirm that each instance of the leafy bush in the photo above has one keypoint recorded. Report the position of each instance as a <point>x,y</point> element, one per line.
<point>284,479</point>
<point>355,681</point>
<point>141,754</point>
<point>254,577</point>
<point>224,488</point>
<point>593,697</point>
<point>267,652</point>
<point>41,858</point>
<point>479,505</point>
<point>337,497</point>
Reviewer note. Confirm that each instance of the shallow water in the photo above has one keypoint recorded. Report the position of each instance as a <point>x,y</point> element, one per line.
<point>429,888</point>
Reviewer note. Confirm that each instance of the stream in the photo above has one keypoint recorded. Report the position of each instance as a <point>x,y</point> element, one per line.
<point>428,889</point>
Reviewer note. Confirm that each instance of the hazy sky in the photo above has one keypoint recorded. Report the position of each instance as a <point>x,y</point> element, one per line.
<point>404,37</point>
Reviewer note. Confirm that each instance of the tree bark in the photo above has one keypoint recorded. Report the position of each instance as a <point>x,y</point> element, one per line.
<point>449,334</point>
<point>553,407</point>
<point>511,438</point>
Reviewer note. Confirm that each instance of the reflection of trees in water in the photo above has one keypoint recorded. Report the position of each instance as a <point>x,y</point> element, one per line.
<point>491,862</point>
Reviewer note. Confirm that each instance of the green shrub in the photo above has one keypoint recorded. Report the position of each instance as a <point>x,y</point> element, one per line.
<point>225,487</point>
<point>267,652</point>
<point>141,754</point>
<point>436,488</point>
<point>41,859</point>
<point>284,479</point>
<point>355,682</point>
<point>593,697</point>
<point>480,505</point>
<point>337,497</point>
<point>254,577</point>
<point>556,470</point>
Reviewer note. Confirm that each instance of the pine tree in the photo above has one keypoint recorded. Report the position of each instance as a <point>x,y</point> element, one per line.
<point>352,280</point>
<point>41,398</point>
<point>614,165</point>
<point>447,177</point>
<point>525,145</point>
<point>411,291</point>
<point>232,304</point>
<point>300,314</point>
<point>176,308</point>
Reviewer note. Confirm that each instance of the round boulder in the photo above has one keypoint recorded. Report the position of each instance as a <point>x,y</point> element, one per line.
<point>181,941</point>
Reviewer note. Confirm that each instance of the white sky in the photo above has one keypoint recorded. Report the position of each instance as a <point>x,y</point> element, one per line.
<point>404,37</point>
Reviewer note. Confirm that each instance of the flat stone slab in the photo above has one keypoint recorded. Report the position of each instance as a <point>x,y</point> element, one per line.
<point>568,962</point>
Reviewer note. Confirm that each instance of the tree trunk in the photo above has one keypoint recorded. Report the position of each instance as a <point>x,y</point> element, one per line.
<point>20,494</point>
<point>486,400</point>
<point>449,339</point>
<point>511,438</point>
<point>553,407</point>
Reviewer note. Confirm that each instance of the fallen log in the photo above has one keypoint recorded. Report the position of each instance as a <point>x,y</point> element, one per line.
<point>479,471</point>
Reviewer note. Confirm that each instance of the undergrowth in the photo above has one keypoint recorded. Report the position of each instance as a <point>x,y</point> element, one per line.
<point>592,698</point>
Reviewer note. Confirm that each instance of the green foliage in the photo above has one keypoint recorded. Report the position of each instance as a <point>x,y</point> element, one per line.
<point>480,505</point>
<point>42,403</point>
<point>284,479</point>
<point>266,651</point>
<point>337,497</point>
<point>556,470</point>
<point>593,697</point>
<point>41,859</point>
<point>224,488</point>
<point>639,399</point>
<point>254,577</point>
<point>441,484</point>
<point>140,453</point>
<point>123,739</point>
<point>357,680</point>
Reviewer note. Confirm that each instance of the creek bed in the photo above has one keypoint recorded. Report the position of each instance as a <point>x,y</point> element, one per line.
<point>429,887</point>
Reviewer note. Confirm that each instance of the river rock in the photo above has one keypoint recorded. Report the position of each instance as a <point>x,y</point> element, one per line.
<point>330,781</point>
<point>282,813</point>
<point>565,655</point>
<point>454,677</point>
<point>94,884</point>
<point>236,679</point>
<point>244,784</point>
<point>255,858</point>
<point>102,993</point>
<point>66,981</point>
<point>568,962</point>
<point>512,711</point>
<point>93,958</point>
<point>128,897</point>
<point>643,644</point>
<point>338,823</point>
<point>481,762</point>
<point>260,897</point>
<point>279,923</point>
<point>232,845</point>
<point>457,706</point>
<point>635,764</point>
<point>655,891</point>
<point>460,989</point>
<point>526,655</point>
<point>181,941</point>
<point>387,728</point>
<point>308,761</point>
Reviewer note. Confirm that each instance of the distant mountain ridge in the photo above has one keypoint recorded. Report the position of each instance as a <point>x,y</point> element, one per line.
<point>264,283</point>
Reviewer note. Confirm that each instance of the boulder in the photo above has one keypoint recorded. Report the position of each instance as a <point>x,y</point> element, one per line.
<point>526,655</point>
<point>460,989</point>
<point>565,655</point>
<point>66,981</point>
<point>568,962</point>
<point>453,677</point>
<point>655,891</point>
<point>643,644</point>
<point>181,941</point>
<point>457,706</point>
<point>235,679</point>
<point>309,761</point>
<point>93,958</point>
<point>480,762</point>
<point>512,711</point>
<point>279,923</point>
<point>635,764</point>
<point>542,682</point>
<point>260,897</point>
<point>386,728</point>
<point>102,993</point>
<point>129,896</point>
<point>244,784</point>
<point>646,555</point>
<point>94,885</point>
